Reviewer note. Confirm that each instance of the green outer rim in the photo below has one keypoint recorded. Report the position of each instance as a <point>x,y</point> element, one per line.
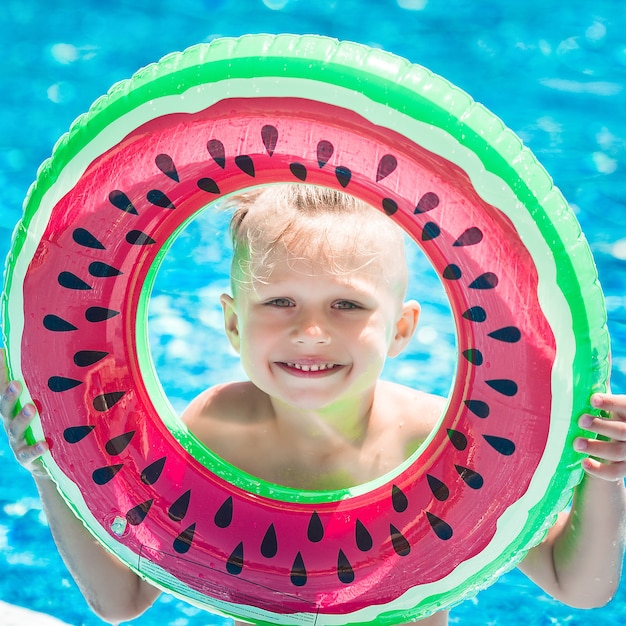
<point>393,81</point>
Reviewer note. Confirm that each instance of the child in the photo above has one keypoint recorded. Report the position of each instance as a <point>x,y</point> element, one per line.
<point>318,288</point>
<point>318,282</point>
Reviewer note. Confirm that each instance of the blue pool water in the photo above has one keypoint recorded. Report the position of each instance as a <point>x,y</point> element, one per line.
<point>554,72</point>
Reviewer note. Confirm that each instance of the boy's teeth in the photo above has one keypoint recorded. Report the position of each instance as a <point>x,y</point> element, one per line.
<point>311,368</point>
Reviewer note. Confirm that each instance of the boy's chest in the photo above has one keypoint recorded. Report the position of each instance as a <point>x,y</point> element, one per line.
<point>314,466</point>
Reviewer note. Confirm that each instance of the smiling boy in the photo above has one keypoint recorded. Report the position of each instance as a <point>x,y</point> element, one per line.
<point>319,283</point>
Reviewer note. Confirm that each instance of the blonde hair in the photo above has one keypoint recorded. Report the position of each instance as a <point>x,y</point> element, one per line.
<point>301,221</point>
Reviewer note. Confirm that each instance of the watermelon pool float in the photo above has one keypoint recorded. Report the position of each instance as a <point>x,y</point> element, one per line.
<point>529,313</point>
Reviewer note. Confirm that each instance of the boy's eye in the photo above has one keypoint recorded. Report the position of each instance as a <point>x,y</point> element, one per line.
<point>280,302</point>
<point>345,305</point>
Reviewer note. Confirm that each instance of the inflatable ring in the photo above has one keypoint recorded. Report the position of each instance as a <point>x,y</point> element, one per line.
<point>529,315</point>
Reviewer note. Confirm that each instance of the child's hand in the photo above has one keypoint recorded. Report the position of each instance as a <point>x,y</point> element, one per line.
<point>15,426</point>
<point>609,457</point>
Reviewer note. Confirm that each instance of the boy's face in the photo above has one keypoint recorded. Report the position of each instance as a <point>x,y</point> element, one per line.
<point>313,339</point>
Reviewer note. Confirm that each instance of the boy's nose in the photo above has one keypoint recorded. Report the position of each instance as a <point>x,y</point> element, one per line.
<point>311,332</point>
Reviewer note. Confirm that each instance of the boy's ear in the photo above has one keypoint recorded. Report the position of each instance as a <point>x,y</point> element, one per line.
<point>231,321</point>
<point>405,327</point>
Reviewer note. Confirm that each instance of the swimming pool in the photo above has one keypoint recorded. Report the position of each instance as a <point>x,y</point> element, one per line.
<point>556,75</point>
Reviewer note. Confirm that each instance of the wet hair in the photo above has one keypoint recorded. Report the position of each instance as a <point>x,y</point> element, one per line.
<point>299,221</point>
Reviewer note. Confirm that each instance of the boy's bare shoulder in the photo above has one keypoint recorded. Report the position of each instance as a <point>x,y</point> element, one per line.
<point>416,409</point>
<point>233,403</point>
<point>229,419</point>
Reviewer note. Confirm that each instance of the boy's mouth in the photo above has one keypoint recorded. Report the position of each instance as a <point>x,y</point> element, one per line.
<point>316,367</point>
<point>309,369</point>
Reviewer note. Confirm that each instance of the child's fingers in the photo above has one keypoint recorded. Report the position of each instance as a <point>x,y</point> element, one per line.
<point>10,394</point>
<point>615,404</point>
<point>613,428</point>
<point>614,451</point>
<point>605,471</point>
<point>27,455</point>
<point>17,426</point>
<point>29,458</point>
<point>611,471</point>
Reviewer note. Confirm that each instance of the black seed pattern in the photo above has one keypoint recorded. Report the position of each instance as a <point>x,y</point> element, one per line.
<point>364,541</point>
<point>152,472</point>
<point>86,358</point>
<point>475,314</point>
<point>315,531</point>
<point>103,475</point>
<point>474,356</point>
<point>500,444</point>
<point>101,270</point>
<point>84,238</point>
<point>325,150</point>
<point>165,163</point>
<point>389,206</point>
<point>121,201</point>
<point>488,280</point>
<point>105,401</point>
<point>345,573</point>
<point>179,507</point>
<point>438,488</point>
<point>508,334</point>
<point>442,529</point>
<point>298,170</point>
<point>269,135</point>
<point>458,439</point>
<point>234,565</point>
<point>398,541</point>
<point>158,198</point>
<point>59,384</point>
<point>137,238</point>
<point>117,445</point>
<point>183,542</point>
<point>452,272</point>
<point>74,434</point>
<point>431,231</point>
<point>298,572</point>
<point>99,314</point>
<point>245,164</point>
<point>470,477</point>
<point>478,408</point>
<point>504,386</point>
<point>208,185</point>
<point>57,324</point>
<point>217,152</point>
<point>71,281</point>
<point>386,166</point>
<point>138,513</point>
<point>470,237</point>
<point>398,499</point>
<point>427,202</point>
<point>343,175</point>
<point>224,515</point>
<point>269,545</point>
